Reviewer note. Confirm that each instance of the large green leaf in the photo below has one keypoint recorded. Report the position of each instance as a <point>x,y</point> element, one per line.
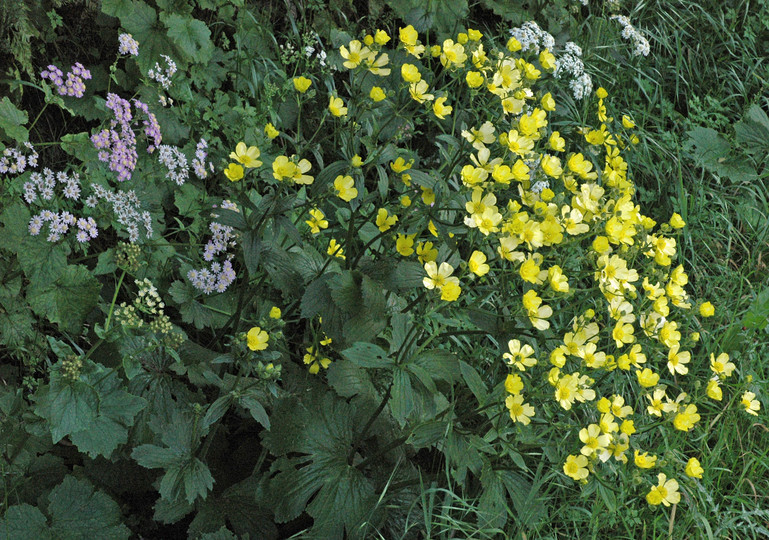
<point>318,437</point>
<point>12,121</point>
<point>752,131</point>
<point>191,36</point>
<point>94,411</point>
<point>24,522</point>
<point>78,512</point>
<point>68,300</point>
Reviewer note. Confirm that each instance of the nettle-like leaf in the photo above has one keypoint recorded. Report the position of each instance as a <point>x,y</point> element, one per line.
<point>191,36</point>
<point>12,121</point>
<point>67,300</point>
<point>713,153</point>
<point>318,436</point>
<point>76,511</point>
<point>752,131</point>
<point>94,411</point>
<point>185,475</point>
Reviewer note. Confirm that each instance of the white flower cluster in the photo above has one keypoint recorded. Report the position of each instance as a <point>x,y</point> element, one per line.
<point>127,210</point>
<point>13,161</point>
<point>43,185</point>
<point>568,63</point>
<point>532,37</point>
<point>640,43</point>
<point>163,76</point>
<point>176,162</point>
<point>60,223</point>
<point>128,45</point>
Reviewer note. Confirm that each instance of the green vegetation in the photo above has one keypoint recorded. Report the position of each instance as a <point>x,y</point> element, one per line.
<point>344,269</point>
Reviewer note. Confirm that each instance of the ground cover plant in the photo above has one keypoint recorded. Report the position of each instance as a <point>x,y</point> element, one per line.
<point>457,269</point>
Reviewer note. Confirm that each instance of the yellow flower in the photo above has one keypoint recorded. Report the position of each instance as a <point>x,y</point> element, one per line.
<point>513,384</point>
<point>558,281</point>
<point>707,309</point>
<point>317,221</point>
<point>419,93</point>
<point>519,411</point>
<point>257,339</point>
<point>547,60</point>
<point>721,366</point>
<point>576,467</point>
<point>627,122</point>
<point>410,40</point>
<point>474,79</point>
<point>405,244</point>
<point>751,404</point>
<point>441,109</point>
<point>345,188</point>
<point>335,249</point>
<point>693,468</point>
<point>270,131</point>
<point>301,84</point>
<point>519,356</point>
<point>381,37</point>
<point>248,156</point>
<point>665,492</point>
<point>426,252</point>
<point>437,276</point>
<point>513,45</point>
<point>405,201</point>
<point>336,106</point>
<point>377,94</point>
<point>410,73</point>
<point>474,35</point>
<point>601,93</point>
<point>644,461</point>
<point>356,161</point>
<point>477,264</point>
<point>275,312</point>
<point>451,291</point>
<point>283,167</point>
<point>647,378</point>
<point>685,419</point>
<point>234,172</point>
<point>299,169</point>
<point>677,222</point>
<point>400,165</point>
<point>385,221</point>
<point>714,391</point>
<point>356,54</point>
<point>315,361</point>
<point>548,103</point>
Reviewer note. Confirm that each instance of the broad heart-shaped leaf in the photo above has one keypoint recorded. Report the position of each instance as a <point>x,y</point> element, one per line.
<point>13,227</point>
<point>77,511</point>
<point>24,522</point>
<point>67,406</point>
<point>752,132</point>
<point>191,36</point>
<point>322,432</point>
<point>95,411</point>
<point>142,22</point>
<point>117,409</point>
<point>712,152</point>
<point>67,300</point>
<point>12,121</point>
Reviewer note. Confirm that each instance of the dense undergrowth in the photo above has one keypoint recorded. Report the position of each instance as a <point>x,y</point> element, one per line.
<point>384,269</point>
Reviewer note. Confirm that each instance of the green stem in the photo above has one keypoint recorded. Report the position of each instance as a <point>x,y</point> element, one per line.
<point>114,300</point>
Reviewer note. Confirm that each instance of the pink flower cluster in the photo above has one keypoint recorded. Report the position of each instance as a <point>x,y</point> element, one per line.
<point>218,276</point>
<point>119,148</point>
<point>128,45</point>
<point>42,185</point>
<point>74,85</point>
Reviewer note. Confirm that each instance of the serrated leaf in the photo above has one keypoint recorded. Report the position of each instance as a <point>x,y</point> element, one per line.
<point>197,480</point>
<point>117,8</point>
<point>191,36</point>
<point>68,406</point>
<point>428,433</point>
<point>402,400</point>
<point>68,300</point>
<point>368,355</point>
<point>152,456</point>
<point>24,522</point>
<point>251,403</point>
<point>217,410</point>
<point>757,316</point>
<point>473,381</point>
<point>142,22</point>
<point>12,121</point>
<point>79,512</point>
<point>349,380</point>
<point>752,132</point>
<point>440,364</point>
<point>222,534</point>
